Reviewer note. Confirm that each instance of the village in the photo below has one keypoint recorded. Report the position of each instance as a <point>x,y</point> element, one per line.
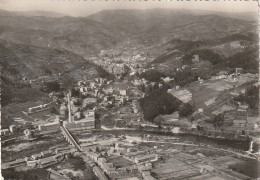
<point>93,107</point>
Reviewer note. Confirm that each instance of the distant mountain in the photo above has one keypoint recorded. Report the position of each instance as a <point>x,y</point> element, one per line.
<point>31,13</point>
<point>157,25</point>
<point>88,35</point>
<point>248,16</point>
<point>80,35</point>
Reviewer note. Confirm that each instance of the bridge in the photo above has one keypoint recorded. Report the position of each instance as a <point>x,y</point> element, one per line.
<point>69,138</point>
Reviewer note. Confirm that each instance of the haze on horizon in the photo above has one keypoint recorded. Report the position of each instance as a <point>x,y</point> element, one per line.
<point>85,8</point>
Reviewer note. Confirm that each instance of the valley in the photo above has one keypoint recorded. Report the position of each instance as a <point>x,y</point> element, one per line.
<point>125,93</point>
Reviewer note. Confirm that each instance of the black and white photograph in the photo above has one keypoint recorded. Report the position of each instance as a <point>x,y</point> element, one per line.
<point>129,90</point>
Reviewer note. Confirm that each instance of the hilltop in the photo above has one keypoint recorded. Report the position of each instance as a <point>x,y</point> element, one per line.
<point>32,13</point>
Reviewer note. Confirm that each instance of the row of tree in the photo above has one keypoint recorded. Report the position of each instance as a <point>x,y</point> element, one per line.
<point>251,97</point>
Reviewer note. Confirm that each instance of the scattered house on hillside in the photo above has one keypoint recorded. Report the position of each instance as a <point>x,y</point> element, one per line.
<point>195,58</point>
<point>182,94</point>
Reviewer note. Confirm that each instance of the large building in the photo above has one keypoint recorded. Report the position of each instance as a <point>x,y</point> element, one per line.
<point>49,126</point>
<point>182,94</point>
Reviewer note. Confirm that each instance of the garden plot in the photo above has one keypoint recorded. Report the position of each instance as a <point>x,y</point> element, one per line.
<point>220,85</point>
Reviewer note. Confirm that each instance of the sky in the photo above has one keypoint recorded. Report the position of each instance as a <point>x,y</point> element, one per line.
<point>87,7</point>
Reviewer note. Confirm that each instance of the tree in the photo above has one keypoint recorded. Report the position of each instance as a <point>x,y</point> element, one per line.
<point>158,102</point>
<point>54,111</point>
<point>77,102</point>
<point>251,97</point>
<point>52,86</point>
<point>218,120</point>
<point>75,92</point>
<point>158,120</point>
<point>185,110</point>
<point>152,75</point>
<point>247,60</point>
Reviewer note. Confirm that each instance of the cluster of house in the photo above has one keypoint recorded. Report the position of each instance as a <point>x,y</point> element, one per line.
<point>102,89</point>
<point>100,95</point>
<point>112,65</point>
<point>118,63</point>
<point>235,120</point>
<point>146,85</point>
<point>118,161</point>
<point>109,53</point>
<point>42,159</point>
<point>234,76</point>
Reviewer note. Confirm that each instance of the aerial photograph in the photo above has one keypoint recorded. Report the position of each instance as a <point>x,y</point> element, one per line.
<point>129,90</point>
